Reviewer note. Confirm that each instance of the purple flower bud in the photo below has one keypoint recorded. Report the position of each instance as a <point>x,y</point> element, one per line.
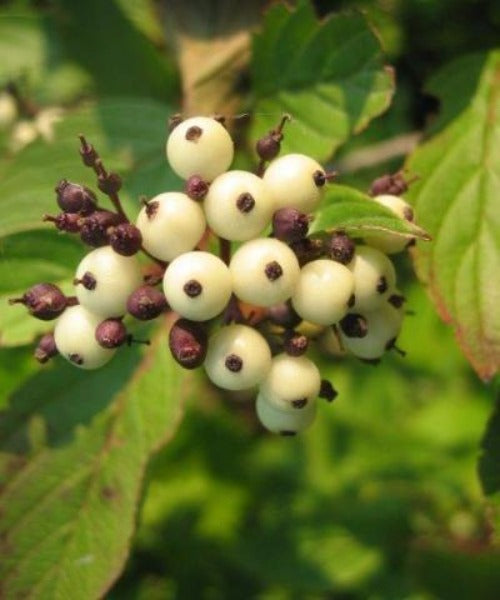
<point>44,301</point>
<point>46,348</point>
<point>146,303</point>
<point>111,333</point>
<point>290,225</point>
<point>94,229</point>
<point>340,248</point>
<point>188,343</point>
<point>75,198</point>
<point>125,239</point>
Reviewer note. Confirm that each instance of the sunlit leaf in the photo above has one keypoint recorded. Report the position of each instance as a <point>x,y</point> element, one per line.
<point>456,200</point>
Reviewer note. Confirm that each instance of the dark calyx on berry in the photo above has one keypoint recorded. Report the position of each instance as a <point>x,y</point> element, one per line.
<point>94,229</point>
<point>196,188</point>
<point>46,348</point>
<point>382,285</point>
<point>307,249</point>
<point>125,239</point>
<point>146,303</point>
<point>188,343</point>
<point>283,315</point>
<point>245,202</point>
<point>295,344</point>
<point>69,222</point>
<point>151,207</point>
<point>396,300</point>
<point>327,391</point>
<point>111,333</point>
<point>299,403</point>
<point>192,288</point>
<point>288,433</point>
<point>75,198</point>
<point>233,363</point>
<point>75,358</point>
<point>354,325</point>
<point>88,281</point>
<point>273,270</point>
<point>173,121</point>
<point>290,225</point>
<point>340,248</point>
<point>44,301</point>
<point>193,134</point>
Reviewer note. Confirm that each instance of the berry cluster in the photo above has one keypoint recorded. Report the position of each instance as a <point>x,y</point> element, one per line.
<point>247,316</point>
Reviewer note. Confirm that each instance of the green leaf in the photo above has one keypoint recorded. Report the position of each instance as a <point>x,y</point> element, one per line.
<point>489,468</point>
<point>118,57</point>
<point>329,76</point>
<point>347,209</point>
<point>24,34</point>
<point>26,259</point>
<point>456,200</point>
<point>74,446</point>
<point>130,137</point>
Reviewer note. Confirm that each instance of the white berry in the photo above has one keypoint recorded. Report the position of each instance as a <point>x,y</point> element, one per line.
<point>238,206</point>
<point>238,357</point>
<point>171,224</point>
<point>374,277</point>
<point>382,328</point>
<point>200,146</point>
<point>106,281</point>
<point>323,291</point>
<point>197,285</point>
<point>388,242</point>
<point>295,181</point>
<point>75,339</point>
<point>286,422</point>
<point>264,272</point>
<point>292,382</point>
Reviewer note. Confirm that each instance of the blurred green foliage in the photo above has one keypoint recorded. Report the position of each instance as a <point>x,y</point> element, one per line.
<point>380,499</point>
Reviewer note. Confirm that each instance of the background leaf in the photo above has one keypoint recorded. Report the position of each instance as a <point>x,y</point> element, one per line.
<point>346,208</point>
<point>74,446</point>
<point>328,75</point>
<point>456,200</point>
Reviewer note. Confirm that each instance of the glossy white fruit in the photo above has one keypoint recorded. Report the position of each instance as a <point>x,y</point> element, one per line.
<point>286,422</point>
<point>238,206</point>
<point>293,382</point>
<point>116,277</point>
<point>200,146</point>
<point>291,182</point>
<point>238,357</point>
<point>74,336</point>
<point>383,327</point>
<point>387,242</point>
<point>374,278</point>
<point>197,285</point>
<point>323,291</point>
<point>171,224</point>
<point>264,272</point>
